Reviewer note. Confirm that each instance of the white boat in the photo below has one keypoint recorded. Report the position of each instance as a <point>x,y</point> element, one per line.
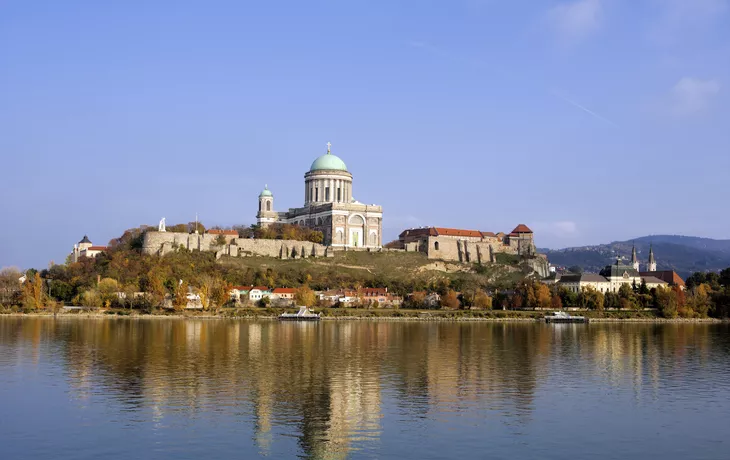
<point>302,315</point>
<point>563,317</point>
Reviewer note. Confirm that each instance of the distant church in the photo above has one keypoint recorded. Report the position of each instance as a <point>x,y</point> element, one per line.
<point>329,207</point>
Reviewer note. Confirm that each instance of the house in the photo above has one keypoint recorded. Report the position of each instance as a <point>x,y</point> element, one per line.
<point>258,292</point>
<point>283,294</point>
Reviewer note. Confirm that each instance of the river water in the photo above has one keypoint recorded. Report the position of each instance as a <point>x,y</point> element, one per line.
<point>74,388</point>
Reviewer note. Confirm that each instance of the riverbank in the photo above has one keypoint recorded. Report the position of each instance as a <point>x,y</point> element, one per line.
<point>376,315</point>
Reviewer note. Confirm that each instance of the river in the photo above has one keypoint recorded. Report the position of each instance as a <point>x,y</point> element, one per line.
<point>73,388</point>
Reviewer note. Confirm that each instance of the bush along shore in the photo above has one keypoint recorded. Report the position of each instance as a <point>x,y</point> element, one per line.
<point>346,314</point>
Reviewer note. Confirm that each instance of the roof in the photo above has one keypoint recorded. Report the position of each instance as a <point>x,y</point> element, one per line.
<point>369,292</point>
<point>328,161</point>
<point>668,276</point>
<point>266,192</point>
<point>617,270</point>
<point>216,231</point>
<point>522,228</point>
<point>84,240</point>
<point>582,278</point>
<point>441,231</point>
<point>653,280</point>
<point>96,248</point>
<point>283,291</point>
<point>241,288</point>
<point>260,288</point>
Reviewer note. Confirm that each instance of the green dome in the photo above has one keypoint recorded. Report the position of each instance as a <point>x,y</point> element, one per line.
<point>265,192</point>
<point>328,161</point>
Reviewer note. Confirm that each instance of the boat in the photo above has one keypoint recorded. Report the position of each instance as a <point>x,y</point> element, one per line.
<point>563,317</point>
<point>304,314</point>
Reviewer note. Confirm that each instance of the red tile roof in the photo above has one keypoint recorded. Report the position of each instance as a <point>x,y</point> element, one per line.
<point>241,288</point>
<point>260,288</point>
<point>216,231</point>
<point>283,291</point>
<point>668,276</point>
<point>441,231</point>
<point>522,228</point>
<point>96,248</point>
<point>374,292</point>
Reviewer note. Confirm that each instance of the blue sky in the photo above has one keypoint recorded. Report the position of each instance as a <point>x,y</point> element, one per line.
<point>588,120</point>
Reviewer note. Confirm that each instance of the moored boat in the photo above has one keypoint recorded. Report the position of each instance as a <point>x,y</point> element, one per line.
<point>563,317</point>
<point>304,314</point>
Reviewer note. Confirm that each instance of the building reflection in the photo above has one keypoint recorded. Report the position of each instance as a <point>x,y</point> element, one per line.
<point>328,382</point>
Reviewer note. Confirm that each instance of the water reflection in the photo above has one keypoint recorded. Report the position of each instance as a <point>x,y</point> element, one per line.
<point>331,384</point>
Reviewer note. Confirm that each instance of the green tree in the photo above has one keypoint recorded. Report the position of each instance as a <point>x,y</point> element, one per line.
<point>667,302</point>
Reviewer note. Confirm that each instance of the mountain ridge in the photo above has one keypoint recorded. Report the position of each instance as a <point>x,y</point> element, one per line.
<point>683,254</point>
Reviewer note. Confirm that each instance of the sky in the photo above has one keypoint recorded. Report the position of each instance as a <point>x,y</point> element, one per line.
<point>588,120</point>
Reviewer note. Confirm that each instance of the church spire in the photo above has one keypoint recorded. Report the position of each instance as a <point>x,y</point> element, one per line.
<point>652,260</point>
<point>634,259</point>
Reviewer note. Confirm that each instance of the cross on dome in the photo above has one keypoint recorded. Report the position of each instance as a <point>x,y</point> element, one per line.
<point>329,145</point>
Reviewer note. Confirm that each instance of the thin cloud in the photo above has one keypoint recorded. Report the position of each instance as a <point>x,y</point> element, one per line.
<point>495,66</point>
<point>576,20</point>
<point>583,108</point>
<point>691,96</point>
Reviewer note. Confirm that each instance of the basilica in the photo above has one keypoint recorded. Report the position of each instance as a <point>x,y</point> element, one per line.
<point>329,207</point>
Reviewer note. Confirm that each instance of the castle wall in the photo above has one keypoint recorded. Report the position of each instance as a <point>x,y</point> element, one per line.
<point>164,242</point>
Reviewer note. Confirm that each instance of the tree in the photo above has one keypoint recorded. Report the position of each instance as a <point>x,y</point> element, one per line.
<point>221,293</point>
<point>699,300</point>
<point>576,269</point>
<point>591,299</point>
<point>417,299</point>
<point>543,297</point>
<point>264,302</point>
<point>450,300</point>
<point>482,301</point>
<point>10,285</point>
<point>667,302</point>
<point>33,296</point>
<point>556,303</point>
<point>627,299</point>
<point>205,291</point>
<point>304,296</point>
<point>220,240</point>
<point>108,289</point>
<point>180,298</point>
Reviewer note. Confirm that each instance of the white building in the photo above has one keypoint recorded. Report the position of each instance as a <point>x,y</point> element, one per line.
<point>85,248</point>
<point>329,207</point>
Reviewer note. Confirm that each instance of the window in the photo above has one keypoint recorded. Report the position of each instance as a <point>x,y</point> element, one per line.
<point>259,206</point>
<point>316,194</point>
<point>339,194</point>
<point>326,194</point>
<point>436,245</point>
<point>268,205</point>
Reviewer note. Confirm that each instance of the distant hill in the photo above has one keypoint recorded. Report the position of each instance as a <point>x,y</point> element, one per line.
<point>683,254</point>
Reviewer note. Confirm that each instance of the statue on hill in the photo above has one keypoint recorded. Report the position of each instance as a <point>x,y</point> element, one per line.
<point>161,227</point>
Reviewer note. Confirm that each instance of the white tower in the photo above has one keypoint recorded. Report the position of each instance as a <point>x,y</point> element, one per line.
<point>652,261</point>
<point>266,214</point>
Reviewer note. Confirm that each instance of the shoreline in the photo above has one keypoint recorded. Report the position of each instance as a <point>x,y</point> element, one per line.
<point>362,317</point>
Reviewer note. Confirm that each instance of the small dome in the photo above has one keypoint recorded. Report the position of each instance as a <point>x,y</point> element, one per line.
<point>265,192</point>
<point>328,161</point>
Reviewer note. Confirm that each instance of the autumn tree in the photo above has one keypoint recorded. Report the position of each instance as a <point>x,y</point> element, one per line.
<point>590,298</point>
<point>417,299</point>
<point>33,296</point>
<point>304,296</point>
<point>482,300</point>
<point>180,298</point>
<point>666,300</point>
<point>221,293</point>
<point>450,300</point>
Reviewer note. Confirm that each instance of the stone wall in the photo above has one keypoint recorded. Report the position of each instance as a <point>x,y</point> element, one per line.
<point>164,242</point>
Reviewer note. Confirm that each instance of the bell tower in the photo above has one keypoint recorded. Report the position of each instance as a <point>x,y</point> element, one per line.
<point>652,260</point>
<point>634,259</point>
<point>266,214</point>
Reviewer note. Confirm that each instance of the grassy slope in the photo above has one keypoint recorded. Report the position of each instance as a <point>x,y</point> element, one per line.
<point>376,269</point>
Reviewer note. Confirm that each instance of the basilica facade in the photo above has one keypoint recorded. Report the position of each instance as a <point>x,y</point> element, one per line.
<point>329,207</point>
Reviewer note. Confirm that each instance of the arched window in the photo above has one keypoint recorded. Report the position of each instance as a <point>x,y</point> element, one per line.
<point>259,206</point>
<point>268,205</point>
<point>436,245</point>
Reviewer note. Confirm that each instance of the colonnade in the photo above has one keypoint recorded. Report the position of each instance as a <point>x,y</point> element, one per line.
<point>327,190</point>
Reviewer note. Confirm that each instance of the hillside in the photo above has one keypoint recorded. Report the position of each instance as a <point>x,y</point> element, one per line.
<point>683,254</point>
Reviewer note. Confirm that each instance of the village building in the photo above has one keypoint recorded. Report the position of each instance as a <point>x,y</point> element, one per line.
<point>85,248</point>
<point>329,207</point>
<point>467,245</point>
